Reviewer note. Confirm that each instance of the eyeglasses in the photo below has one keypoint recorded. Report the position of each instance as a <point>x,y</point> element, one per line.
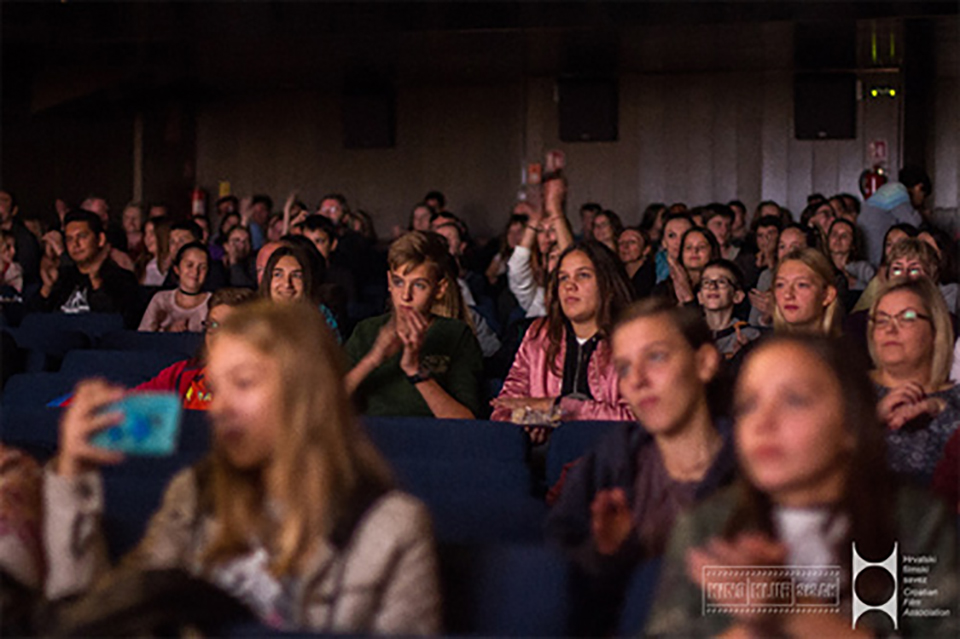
<point>912,271</point>
<point>211,326</point>
<point>720,282</point>
<point>906,317</point>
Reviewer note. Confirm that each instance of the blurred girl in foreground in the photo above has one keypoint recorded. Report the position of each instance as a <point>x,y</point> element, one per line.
<point>815,482</point>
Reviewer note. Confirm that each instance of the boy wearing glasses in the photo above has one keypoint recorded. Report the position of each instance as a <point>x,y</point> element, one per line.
<point>721,290</point>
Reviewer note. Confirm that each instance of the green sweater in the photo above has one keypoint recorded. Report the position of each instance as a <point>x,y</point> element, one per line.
<point>450,353</point>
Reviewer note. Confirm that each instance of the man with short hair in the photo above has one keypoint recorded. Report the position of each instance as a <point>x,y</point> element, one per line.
<point>93,283</point>
<point>27,248</point>
<point>254,212</point>
<point>486,336</point>
<point>588,211</point>
<point>893,203</point>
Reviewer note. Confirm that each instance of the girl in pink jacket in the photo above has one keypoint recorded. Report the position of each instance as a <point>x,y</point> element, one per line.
<point>564,363</point>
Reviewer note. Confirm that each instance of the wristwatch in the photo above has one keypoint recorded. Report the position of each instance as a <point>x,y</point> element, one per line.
<point>421,376</point>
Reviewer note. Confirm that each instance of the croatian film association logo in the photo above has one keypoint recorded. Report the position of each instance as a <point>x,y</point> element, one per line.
<point>889,607</point>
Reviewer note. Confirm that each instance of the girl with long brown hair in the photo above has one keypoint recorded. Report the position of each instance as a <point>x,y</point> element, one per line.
<point>564,359</point>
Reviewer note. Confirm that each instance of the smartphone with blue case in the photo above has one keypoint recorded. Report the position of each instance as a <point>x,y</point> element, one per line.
<point>150,426</point>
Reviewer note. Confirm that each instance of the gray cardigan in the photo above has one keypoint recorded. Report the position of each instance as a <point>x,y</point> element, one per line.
<point>383,581</point>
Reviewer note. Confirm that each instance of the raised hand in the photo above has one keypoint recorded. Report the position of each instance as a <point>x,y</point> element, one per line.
<point>610,520</point>
<point>246,209</point>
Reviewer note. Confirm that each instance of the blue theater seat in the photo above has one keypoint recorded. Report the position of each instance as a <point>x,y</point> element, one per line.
<point>32,429</point>
<point>91,324</point>
<point>570,441</point>
<point>475,501</point>
<point>187,344</point>
<point>504,590</point>
<point>123,367</point>
<point>35,390</point>
<point>447,439</point>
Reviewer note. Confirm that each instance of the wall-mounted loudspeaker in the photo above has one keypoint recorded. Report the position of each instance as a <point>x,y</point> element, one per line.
<point>589,110</point>
<point>825,106</point>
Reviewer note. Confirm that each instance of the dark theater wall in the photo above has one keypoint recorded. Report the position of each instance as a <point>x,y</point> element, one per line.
<point>716,133</point>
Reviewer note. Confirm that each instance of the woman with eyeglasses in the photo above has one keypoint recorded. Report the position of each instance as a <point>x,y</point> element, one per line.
<point>186,377</point>
<point>911,343</point>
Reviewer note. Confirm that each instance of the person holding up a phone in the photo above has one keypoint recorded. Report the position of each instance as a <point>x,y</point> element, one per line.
<point>293,512</point>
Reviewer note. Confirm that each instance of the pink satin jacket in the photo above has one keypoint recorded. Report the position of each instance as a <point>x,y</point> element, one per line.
<point>530,376</point>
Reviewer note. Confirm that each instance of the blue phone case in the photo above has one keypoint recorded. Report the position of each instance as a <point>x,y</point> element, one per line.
<point>150,425</point>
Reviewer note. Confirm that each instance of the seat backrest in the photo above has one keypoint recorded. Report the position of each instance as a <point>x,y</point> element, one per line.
<point>187,344</point>
<point>506,590</point>
<point>447,439</point>
<point>92,324</point>
<point>36,390</point>
<point>124,367</point>
<point>572,440</point>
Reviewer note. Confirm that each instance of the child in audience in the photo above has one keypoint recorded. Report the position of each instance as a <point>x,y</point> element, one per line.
<point>564,360</point>
<point>185,308</point>
<point>815,483</point>
<point>617,504</point>
<point>697,248</point>
<point>721,289</point>
<point>10,272</point>
<point>416,360</point>
<point>187,377</point>
<point>293,512</point>
<point>804,294</point>
<point>911,343</point>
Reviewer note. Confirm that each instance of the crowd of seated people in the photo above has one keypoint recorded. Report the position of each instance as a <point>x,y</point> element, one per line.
<point>783,388</point>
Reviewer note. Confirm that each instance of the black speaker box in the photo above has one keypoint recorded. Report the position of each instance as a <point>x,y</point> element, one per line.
<point>825,106</point>
<point>369,120</point>
<point>589,110</point>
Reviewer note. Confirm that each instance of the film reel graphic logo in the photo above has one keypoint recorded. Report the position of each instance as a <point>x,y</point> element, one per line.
<point>889,607</point>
